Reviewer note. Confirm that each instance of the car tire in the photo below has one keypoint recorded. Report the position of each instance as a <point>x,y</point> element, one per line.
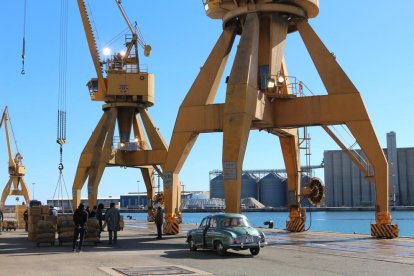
<point>220,249</point>
<point>255,250</point>
<point>192,245</point>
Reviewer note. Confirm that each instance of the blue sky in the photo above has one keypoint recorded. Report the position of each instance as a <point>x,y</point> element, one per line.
<point>372,41</point>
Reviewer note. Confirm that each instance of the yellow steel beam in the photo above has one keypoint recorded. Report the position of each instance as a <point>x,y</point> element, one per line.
<point>318,110</point>
<point>154,135</point>
<point>101,154</point>
<point>202,92</point>
<point>137,158</point>
<point>239,110</point>
<point>85,160</point>
<point>6,192</point>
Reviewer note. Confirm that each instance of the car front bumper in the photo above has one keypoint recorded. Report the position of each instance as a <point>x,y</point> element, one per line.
<point>247,245</point>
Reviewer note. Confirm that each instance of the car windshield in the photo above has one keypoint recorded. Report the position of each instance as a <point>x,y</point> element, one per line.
<point>234,222</point>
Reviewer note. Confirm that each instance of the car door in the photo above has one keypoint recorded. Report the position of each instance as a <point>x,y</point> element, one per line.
<point>211,232</point>
<point>199,233</point>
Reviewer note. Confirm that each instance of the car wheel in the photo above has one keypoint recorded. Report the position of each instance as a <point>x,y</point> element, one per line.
<point>255,251</point>
<point>191,244</point>
<point>220,249</point>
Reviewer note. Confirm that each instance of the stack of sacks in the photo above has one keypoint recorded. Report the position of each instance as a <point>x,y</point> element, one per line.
<point>45,210</point>
<point>65,227</point>
<point>35,214</point>
<point>19,215</point>
<point>45,232</point>
<point>92,231</point>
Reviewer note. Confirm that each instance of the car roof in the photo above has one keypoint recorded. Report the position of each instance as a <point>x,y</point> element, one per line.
<point>226,215</point>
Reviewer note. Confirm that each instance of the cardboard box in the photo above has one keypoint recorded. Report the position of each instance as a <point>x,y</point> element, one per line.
<point>32,227</point>
<point>34,219</point>
<point>45,210</point>
<point>35,211</point>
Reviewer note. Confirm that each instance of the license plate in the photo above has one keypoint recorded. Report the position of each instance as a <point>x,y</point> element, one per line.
<point>249,240</point>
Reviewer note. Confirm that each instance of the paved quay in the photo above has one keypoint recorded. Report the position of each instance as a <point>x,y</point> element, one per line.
<point>139,253</point>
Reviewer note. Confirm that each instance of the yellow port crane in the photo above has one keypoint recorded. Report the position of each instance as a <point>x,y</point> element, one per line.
<point>127,90</point>
<point>16,184</point>
<point>259,97</point>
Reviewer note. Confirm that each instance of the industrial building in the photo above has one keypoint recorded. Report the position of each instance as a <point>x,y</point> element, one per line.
<point>66,204</point>
<point>346,185</point>
<point>138,201</point>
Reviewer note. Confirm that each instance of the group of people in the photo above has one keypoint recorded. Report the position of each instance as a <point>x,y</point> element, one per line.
<point>112,218</point>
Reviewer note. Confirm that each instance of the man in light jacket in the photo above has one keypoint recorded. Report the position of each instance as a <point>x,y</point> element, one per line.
<point>112,218</point>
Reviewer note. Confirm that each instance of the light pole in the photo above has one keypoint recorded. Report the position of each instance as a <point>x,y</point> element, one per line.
<point>138,193</point>
<point>33,185</point>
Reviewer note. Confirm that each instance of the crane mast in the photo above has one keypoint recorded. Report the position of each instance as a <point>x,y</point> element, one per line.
<point>127,90</point>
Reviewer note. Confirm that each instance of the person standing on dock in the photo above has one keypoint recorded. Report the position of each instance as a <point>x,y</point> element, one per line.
<point>112,218</point>
<point>1,220</point>
<point>93,212</point>
<point>159,219</point>
<point>52,211</point>
<point>26,219</point>
<point>80,218</point>
<point>100,217</point>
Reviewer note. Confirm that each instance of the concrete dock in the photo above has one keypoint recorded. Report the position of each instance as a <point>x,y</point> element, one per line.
<point>139,253</point>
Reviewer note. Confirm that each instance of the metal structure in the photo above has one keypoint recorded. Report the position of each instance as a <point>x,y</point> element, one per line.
<point>16,169</point>
<point>259,97</point>
<point>127,91</point>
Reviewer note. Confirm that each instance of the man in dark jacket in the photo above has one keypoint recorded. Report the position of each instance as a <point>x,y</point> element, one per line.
<point>79,219</point>
<point>159,219</point>
<point>26,219</point>
<point>1,219</point>
<point>100,217</point>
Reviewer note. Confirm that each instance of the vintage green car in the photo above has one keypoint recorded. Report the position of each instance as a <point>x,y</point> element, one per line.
<point>225,231</point>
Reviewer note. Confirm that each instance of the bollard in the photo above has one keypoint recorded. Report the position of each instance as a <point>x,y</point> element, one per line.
<point>269,223</point>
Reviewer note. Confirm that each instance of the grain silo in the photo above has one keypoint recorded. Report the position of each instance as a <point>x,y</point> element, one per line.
<point>273,190</point>
<point>249,186</point>
<point>217,187</point>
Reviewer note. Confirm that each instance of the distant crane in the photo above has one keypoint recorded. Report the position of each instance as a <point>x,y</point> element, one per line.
<point>16,168</point>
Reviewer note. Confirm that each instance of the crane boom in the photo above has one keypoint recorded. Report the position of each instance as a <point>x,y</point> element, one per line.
<point>4,119</point>
<point>92,45</point>
<point>118,3</point>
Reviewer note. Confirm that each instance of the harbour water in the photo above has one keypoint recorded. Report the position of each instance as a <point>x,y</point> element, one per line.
<point>342,222</point>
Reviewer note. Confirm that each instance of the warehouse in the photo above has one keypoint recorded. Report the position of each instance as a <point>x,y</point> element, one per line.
<point>346,185</point>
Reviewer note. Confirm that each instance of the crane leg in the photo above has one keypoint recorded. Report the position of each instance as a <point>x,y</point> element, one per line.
<point>85,159</point>
<point>239,110</point>
<point>25,191</point>
<point>201,93</point>
<point>101,155</point>
<point>291,156</point>
<point>148,176</point>
<point>5,194</point>
<point>336,81</point>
